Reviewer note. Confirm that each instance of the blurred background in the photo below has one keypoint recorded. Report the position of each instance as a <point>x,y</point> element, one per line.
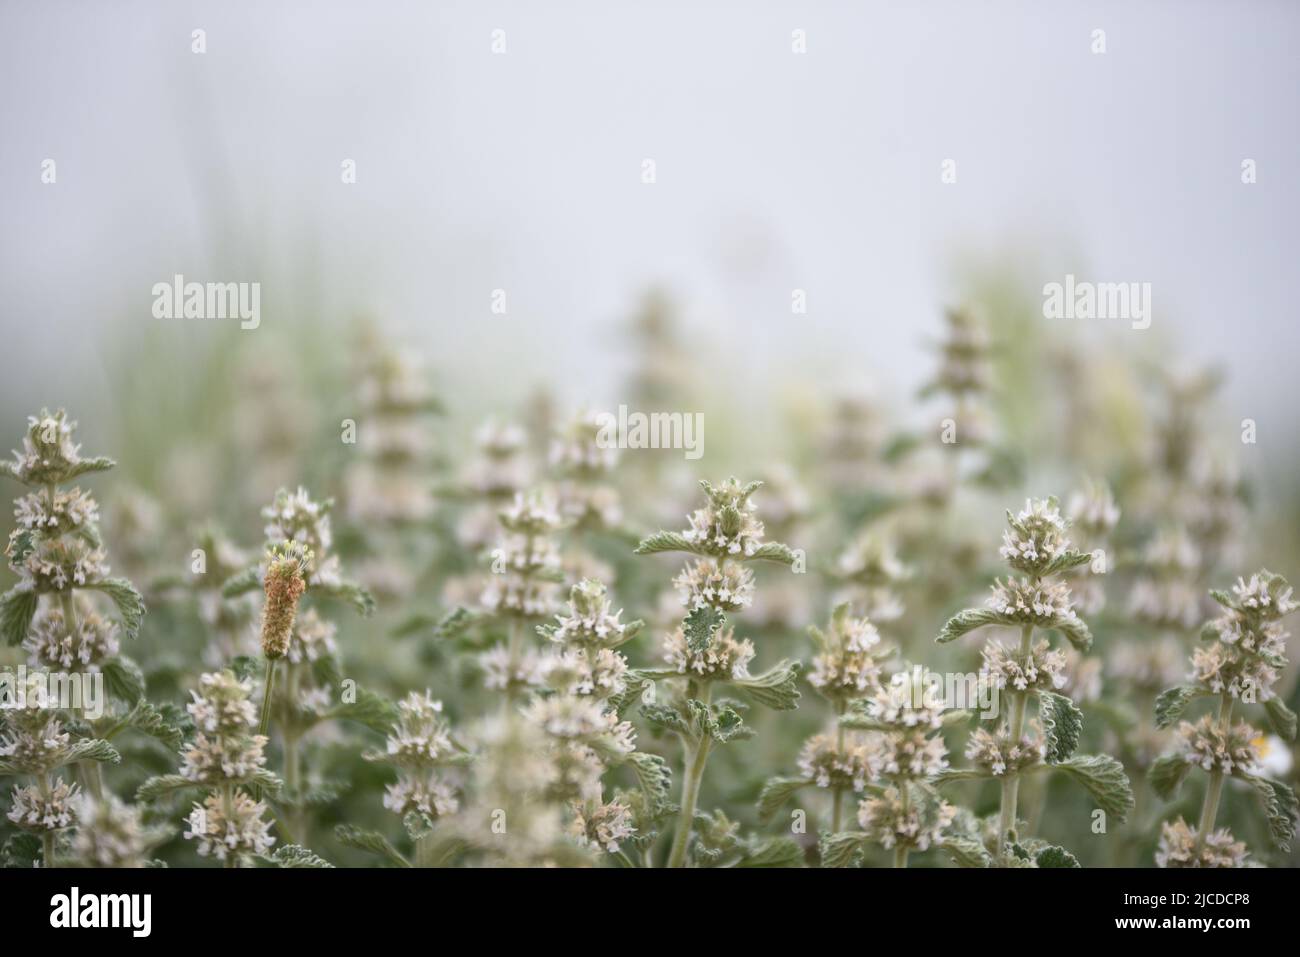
<point>500,146</point>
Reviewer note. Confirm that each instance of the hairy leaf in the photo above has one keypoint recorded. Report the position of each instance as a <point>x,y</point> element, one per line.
<point>653,776</point>
<point>700,626</point>
<point>129,602</point>
<point>1053,856</point>
<point>772,552</point>
<point>1103,777</point>
<point>967,852</point>
<point>1075,630</point>
<point>1062,724</point>
<point>1281,718</point>
<point>92,749</point>
<point>242,582</point>
<point>967,621</point>
<point>371,841</point>
<point>373,710</point>
<point>124,679</point>
<point>1167,774</point>
<point>776,792</point>
<point>842,850</point>
<point>773,852</point>
<point>1172,702</point>
<point>668,542</point>
<point>1280,807</point>
<point>294,855</point>
<point>356,595</point>
<point>17,609</point>
<point>156,787</point>
<point>775,688</point>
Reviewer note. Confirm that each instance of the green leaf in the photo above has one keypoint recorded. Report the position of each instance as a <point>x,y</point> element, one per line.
<point>98,464</point>
<point>1067,560</point>
<point>1054,856</point>
<point>967,621</point>
<point>668,542</point>
<point>1281,718</point>
<point>17,609</point>
<point>1167,774</point>
<point>1075,630</point>
<point>775,688</point>
<point>156,787</point>
<point>371,841</point>
<point>1062,724</point>
<point>243,582</point>
<point>700,626</point>
<point>949,775</point>
<point>842,850</point>
<point>772,552</point>
<point>775,793</point>
<point>1280,807</point>
<point>356,595</point>
<point>370,709</point>
<point>92,749</point>
<point>21,850</point>
<point>1172,702</point>
<point>124,679</point>
<point>417,824</point>
<point>248,666</point>
<point>773,852</point>
<point>966,852</point>
<point>1103,777</point>
<point>653,776</point>
<point>129,602</point>
<point>723,723</point>
<point>147,719</point>
<point>294,855</point>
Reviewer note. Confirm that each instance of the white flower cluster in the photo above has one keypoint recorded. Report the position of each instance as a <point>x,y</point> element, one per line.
<point>49,643</point>
<point>223,751</point>
<point>848,663</point>
<point>45,809</point>
<point>236,828</point>
<point>296,517</point>
<point>110,834</point>
<point>1039,603</point>
<point>890,822</point>
<point>1043,669</point>
<point>1212,747</point>
<point>725,658</point>
<point>997,754</point>
<point>602,826</point>
<point>420,745</point>
<point>829,765</point>
<point>728,525</point>
<point>1179,847</point>
<point>1036,537</point>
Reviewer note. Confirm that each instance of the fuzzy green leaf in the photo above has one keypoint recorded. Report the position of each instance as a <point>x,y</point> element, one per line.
<point>371,841</point>
<point>949,775</point>
<point>1172,702</point>
<point>773,852</point>
<point>1167,774</point>
<point>147,719</point>
<point>772,552</point>
<point>1281,718</point>
<point>1103,777</point>
<point>1075,630</point>
<point>842,850</point>
<point>294,855</point>
<point>17,609</point>
<point>21,850</point>
<point>966,852</point>
<point>356,595</point>
<point>243,582</point>
<point>370,709</point>
<point>967,621</point>
<point>1062,724</point>
<point>1054,856</point>
<point>700,625</point>
<point>668,542</point>
<point>92,749</point>
<point>124,679</point>
<point>1280,807</point>
<point>775,688</point>
<point>156,787</point>
<point>775,793</point>
<point>98,464</point>
<point>653,776</point>
<point>129,602</point>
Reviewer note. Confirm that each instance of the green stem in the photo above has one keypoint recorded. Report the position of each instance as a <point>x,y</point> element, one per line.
<point>837,806</point>
<point>265,724</point>
<point>92,776</point>
<point>1015,728</point>
<point>228,809</point>
<point>901,849</point>
<point>47,837</point>
<point>1214,790</point>
<point>697,756</point>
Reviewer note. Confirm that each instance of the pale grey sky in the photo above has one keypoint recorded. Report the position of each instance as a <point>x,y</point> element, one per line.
<point>522,171</point>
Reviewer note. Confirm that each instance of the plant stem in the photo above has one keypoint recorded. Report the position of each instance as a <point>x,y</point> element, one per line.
<point>265,723</point>
<point>697,755</point>
<point>47,837</point>
<point>1015,728</point>
<point>89,771</point>
<point>838,801</point>
<point>901,849</point>
<point>1214,790</point>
